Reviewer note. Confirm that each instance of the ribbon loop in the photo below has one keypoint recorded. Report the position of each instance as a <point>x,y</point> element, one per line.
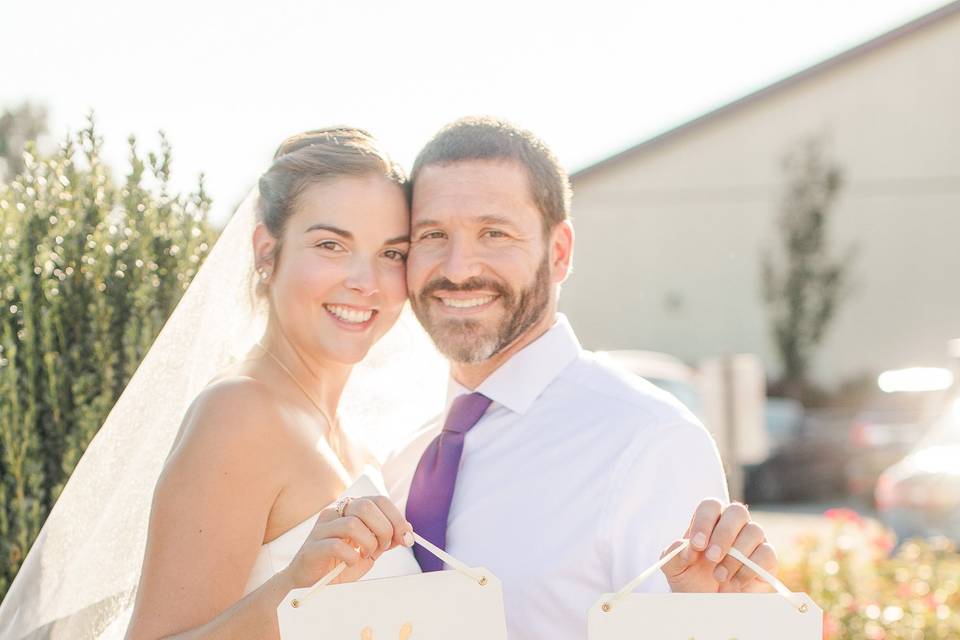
<point>765,575</point>
<point>426,544</point>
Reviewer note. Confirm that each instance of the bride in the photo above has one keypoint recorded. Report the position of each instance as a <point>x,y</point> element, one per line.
<point>256,449</point>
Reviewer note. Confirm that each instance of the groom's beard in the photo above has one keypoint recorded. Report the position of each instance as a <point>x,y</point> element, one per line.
<point>471,341</point>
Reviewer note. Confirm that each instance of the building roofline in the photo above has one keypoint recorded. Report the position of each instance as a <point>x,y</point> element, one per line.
<point>833,62</point>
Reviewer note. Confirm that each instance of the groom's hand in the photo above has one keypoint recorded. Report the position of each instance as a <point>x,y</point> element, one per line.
<point>704,566</point>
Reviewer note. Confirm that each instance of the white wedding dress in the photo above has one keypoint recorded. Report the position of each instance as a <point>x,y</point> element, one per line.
<point>277,554</point>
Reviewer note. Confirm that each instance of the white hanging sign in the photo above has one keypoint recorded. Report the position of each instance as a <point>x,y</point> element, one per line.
<point>705,616</point>
<point>464,603</point>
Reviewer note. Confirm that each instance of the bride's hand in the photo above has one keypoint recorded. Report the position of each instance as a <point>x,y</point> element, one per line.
<point>369,527</point>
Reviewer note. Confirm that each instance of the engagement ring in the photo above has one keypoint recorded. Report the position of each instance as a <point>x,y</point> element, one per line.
<point>342,505</point>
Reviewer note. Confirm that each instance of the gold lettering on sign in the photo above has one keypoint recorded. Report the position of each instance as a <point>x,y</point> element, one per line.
<point>406,632</point>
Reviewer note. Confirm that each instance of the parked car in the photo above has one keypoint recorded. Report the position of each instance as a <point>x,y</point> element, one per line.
<point>667,372</point>
<point>920,495</point>
<point>808,456</point>
<point>884,431</point>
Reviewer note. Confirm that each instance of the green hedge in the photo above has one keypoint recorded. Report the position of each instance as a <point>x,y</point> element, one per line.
<point>90,268</point>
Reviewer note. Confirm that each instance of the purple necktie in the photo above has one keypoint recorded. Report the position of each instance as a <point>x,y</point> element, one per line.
<point>431,491</point>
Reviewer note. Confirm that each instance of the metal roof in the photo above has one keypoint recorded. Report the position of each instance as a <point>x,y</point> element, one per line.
<point>831,63</point>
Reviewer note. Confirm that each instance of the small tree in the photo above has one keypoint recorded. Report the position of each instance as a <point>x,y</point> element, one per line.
<point>804,289</point>
<point>89,271</point>
<point>17,127</point>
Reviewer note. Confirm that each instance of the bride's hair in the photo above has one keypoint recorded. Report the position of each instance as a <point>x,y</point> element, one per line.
<point>317,156</point>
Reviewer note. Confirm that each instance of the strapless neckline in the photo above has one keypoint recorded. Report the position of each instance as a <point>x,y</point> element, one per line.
<point>308,523</point>
<point>279,552</point>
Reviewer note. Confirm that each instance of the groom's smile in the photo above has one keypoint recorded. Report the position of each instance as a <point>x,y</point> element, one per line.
<point>466,303</point>
<point>468,299</point>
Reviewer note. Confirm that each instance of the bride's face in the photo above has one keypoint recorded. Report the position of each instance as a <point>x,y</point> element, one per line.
<point>339,283</point>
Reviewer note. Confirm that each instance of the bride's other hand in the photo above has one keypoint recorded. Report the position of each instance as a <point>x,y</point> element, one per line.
<point>369,528</point>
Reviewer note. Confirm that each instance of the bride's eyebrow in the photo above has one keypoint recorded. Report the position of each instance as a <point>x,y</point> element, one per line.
<point>398,240</point>
<point>325,227</point>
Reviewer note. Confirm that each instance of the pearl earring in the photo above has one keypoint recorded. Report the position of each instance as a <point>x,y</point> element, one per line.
<point>264,274</point>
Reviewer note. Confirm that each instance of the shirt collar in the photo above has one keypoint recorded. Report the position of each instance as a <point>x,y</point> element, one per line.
<point>521,379</point>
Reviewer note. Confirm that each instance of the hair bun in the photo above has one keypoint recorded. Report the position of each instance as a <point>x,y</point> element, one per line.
<point>336,135</point>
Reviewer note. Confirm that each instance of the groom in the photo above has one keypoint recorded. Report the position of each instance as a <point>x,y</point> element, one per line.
<point>563,475</point>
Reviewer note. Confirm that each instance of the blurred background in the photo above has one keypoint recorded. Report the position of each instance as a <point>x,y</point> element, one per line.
<point>766,201</point>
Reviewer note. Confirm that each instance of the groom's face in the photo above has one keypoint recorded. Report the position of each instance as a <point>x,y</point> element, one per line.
<point>478,272</point>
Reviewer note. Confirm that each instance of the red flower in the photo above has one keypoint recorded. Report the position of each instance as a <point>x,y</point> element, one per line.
<point>883,543</point>
<point>841,515</point>
<point>830,626</point>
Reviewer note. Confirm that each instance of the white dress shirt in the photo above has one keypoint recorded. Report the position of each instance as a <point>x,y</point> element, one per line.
<point>574,481</point>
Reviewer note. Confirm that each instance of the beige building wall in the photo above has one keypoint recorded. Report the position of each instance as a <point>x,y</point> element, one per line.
<point>669,235</point>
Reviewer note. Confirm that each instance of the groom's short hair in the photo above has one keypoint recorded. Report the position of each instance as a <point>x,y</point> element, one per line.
<point>487,138</point>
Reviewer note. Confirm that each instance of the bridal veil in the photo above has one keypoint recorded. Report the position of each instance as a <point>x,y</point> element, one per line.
<point>79,580</point>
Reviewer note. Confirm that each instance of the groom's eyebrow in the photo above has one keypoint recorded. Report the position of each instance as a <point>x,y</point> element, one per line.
<point>495,220</point>
<point>424,223</point>
<point>325,227</point>
<point>488,219</point>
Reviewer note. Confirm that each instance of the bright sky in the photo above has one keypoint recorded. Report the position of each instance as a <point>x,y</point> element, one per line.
<point>228,82</point>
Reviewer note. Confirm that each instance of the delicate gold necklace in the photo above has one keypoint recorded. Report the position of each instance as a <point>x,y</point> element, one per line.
<point>334,429</point>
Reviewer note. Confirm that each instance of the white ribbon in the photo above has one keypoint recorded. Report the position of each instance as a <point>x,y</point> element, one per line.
<point>765,575</point>
<point>429,546</point>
